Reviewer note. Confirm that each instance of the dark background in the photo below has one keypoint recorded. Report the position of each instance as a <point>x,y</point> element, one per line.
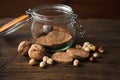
<point>84,8</point>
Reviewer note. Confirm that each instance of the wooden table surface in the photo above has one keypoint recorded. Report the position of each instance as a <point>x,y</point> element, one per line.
<point>101,32</point>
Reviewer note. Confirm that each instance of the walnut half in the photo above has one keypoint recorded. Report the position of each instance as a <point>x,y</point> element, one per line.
<point>24,47</point>
<point>36,52</point>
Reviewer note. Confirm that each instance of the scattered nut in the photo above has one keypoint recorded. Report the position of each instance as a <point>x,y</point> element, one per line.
<point>42,64</point>
<point>92,59</point>
<point>86,43</point>
<point>76,62</point>
<point>24,47</point>
<point>78,46</point>
<point>45,58</point>
<point>86,49</point>
<point>96,55</point>
<point>89,45</point>
<point>92,47</point>
<point>101,50</point>
<point>49,61</point>
<point>83,47</point>
<point>46,29</point>
<point>33,62</point>
<point>36,52</point>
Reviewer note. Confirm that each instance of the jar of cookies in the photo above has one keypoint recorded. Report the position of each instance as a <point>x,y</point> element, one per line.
<point>54,26</point>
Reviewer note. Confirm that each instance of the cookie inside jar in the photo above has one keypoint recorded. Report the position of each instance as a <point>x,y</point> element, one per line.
<point>53,37</point>
<point>53,26</point>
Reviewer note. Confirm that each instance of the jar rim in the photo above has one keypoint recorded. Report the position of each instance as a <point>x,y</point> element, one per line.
<point>65,8</point>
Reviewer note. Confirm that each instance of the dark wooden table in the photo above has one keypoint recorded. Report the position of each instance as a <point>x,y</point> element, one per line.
<point>102,32</point>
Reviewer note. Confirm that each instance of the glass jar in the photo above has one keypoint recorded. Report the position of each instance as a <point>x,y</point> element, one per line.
<point>54,26</point>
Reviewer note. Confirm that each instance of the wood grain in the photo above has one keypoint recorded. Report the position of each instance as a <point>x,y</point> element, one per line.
<point>84,8</point>
<point>101,32</point>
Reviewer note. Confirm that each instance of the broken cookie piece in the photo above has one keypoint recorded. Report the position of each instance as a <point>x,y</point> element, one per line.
<point>54,38</point>
<point>62,57</point>
<point>77,53</point>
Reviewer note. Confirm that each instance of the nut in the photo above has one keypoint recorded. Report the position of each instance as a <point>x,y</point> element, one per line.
<point>45,58</point>
<point>36,52</point>
<point>78,46</point>
<point>49,61</point>
<point>92,59</point>
<point>101,50</point>
<point>92,47</point>
<point>89,45</point>
<point>86,43</point>
<point>24,47</point>
<point>86,49</point>
<point>33,62</point>
<point>76,62</point>
<point>83,47</point>
<point>96,55</point>
<point>42,64</point>
<point>46,29</point>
